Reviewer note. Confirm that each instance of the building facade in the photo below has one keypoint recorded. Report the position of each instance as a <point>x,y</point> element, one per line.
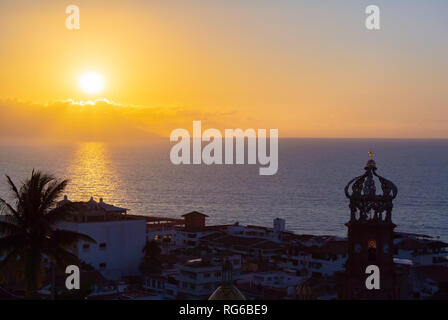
<point>119,238</point>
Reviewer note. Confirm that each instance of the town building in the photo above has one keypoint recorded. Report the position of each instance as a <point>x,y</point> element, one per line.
<point>198,278</point>
<point>266,285</point>
<point>119,238</point>
<point>227,290</point>
<point>421,251</point>
<point>322,259</point>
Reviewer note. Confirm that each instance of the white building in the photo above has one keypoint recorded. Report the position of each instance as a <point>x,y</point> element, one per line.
<point>163,283</point>
<point>189,233</point>
<point>274,234</point>
<point>422,252</point>
<point>274,279</point>
<point>119,238</point>
<point>198,278</point>
<point>270,285</point>
<point>183,233</point>
<point>323,260</point>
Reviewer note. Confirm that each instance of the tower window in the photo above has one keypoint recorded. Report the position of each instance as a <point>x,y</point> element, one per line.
<point>372,250</point>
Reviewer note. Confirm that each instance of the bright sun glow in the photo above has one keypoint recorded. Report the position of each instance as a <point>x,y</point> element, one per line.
<point>91,83</point>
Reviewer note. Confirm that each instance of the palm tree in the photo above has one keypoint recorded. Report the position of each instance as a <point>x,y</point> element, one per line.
<point>28,232</point>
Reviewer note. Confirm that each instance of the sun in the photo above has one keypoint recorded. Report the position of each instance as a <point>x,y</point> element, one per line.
<point>91,82</point>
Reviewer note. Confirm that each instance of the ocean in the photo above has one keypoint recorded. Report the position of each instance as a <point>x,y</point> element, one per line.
<point>307,191</point>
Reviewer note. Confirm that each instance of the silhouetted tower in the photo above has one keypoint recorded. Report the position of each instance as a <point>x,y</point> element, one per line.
<point>370,234</point>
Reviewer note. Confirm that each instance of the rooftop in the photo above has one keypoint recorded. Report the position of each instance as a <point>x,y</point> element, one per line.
<point>93,211</point>
<point>436,273</point>
<point>194,214</point>
<point>413,244</point>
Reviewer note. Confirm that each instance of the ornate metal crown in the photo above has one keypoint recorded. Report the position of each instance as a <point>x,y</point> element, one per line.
<point>365,204</point>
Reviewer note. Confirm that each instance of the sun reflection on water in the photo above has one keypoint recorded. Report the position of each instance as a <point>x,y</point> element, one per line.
<point>92,174</point>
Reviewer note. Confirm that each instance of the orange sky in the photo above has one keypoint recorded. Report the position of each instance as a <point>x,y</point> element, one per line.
<point>310,70</point>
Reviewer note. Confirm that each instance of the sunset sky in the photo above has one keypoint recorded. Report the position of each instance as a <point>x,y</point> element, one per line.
<point>308,68</point>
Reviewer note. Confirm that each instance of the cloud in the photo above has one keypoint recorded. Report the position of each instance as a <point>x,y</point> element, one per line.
<point>99,120</point>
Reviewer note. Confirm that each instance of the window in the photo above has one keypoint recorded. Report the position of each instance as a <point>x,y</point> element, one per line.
<point>86,247</point>
<point>103,245</point>
<point>103,265</point>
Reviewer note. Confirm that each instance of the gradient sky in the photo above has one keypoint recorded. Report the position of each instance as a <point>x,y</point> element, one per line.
<point>308,68</point>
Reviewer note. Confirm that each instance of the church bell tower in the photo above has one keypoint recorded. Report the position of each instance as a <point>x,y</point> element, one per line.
<point>370,234</point>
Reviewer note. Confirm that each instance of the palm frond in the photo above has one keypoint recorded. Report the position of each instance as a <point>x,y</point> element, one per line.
<point>31,193</point>
<point>11,265</point>
<point>61,256</point>
<point>13,187</point>
<point>9,243</point>
<point>66,237</point>
<point>62,212</point>
<point>52,194</point>
<point>4,205</point>
<point>8,225</point>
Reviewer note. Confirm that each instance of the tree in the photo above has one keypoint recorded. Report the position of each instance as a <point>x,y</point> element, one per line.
<point>151,261</point>
<point>152,249</point>
<point>28,232</point>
